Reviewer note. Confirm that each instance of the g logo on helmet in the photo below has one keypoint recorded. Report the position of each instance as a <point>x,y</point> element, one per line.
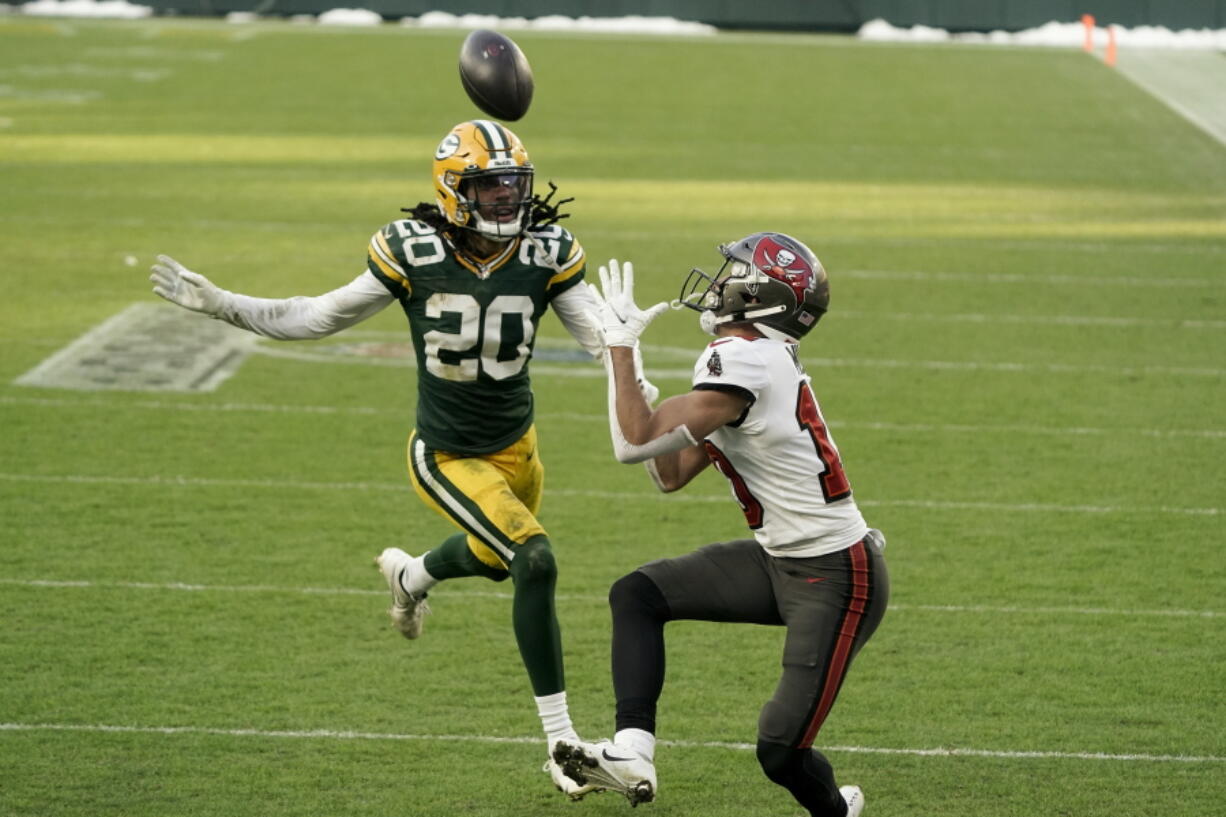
<point>447,147</point>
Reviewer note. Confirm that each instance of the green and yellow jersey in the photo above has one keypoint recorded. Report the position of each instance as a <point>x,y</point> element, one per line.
<point>473,327</point>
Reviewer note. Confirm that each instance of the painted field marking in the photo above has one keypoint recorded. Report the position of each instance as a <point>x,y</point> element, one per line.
<point>597,598</point>
<point>181,481</point>
<point>1006,366</point>
<point>639,496</point>
<point>1188,81</point>
<point>146,347</point>
<point>321,355</point>
<point>272,408</point>
<point>154,347</point>
<point>1015,278</point>
<point>1049,320</point>
<point>329,734</point>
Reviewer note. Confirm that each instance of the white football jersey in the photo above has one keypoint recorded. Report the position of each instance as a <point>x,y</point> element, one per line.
<point>784,468</point>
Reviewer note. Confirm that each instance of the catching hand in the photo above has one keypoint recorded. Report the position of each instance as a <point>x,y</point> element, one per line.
<point>179,285</point>
<point>619,320</point>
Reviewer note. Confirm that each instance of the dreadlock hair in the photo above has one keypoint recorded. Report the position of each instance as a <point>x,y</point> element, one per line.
<point>429,214</point>
<point>542,213</point>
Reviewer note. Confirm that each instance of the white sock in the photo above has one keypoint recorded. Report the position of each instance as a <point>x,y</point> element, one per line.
<point>416,580</point>
<point>640,740</point>
<point>555,717</point>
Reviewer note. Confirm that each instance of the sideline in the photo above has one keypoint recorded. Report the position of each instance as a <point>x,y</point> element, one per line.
<point>1188,82</point>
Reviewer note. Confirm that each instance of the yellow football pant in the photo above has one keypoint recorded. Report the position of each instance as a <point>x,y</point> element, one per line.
<point>494,497</point>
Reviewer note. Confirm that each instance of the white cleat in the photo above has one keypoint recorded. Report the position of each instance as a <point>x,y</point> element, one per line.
<point>406,611</point>
<point>854,798</point>
<point>564,784</point>
<point>606,765</point>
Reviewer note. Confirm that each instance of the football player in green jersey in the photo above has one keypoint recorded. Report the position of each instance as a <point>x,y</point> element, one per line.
<point>474,272</point>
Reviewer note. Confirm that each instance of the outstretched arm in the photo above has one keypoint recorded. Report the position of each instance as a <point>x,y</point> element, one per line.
<point>296,318</point>
<point>669,437</point>
<point>666,438</point>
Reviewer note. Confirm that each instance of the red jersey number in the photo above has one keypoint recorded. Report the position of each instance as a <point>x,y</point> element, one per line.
<point>834,481</point>
<point>751,507</point>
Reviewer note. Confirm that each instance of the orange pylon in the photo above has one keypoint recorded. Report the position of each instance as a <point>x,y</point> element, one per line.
<point>1109,58</point>
<point>1087,20</point>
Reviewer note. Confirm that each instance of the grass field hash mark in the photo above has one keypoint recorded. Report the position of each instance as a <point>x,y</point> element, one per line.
<point>325,734</point>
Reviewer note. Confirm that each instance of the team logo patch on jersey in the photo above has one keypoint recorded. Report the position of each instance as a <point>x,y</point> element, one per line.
<point>715,366</point>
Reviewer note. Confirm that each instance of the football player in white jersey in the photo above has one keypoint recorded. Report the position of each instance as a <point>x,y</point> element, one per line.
<point>812,566</point>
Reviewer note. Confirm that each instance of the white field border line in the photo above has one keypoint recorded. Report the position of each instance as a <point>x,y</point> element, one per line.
<point>1184,82</point>
<point>574,416</point>
<point>328,734</point>
<point>1047,320</point>
<point>633,496</point>
<point>1015,278</point>
<point>546,369</point>
<point>578,597</point>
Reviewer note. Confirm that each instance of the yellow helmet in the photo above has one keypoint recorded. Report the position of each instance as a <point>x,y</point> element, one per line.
<point>483,179</point>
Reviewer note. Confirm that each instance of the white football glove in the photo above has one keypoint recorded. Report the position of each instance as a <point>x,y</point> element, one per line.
<point>619,321</point>
<point>179,285</point>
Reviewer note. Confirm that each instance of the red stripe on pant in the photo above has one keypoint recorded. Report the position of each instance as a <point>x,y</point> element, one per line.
<point>846,640</point>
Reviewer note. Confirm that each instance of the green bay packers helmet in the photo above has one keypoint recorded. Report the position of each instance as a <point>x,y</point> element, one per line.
<point>769,280</point>
<point>483,179</point>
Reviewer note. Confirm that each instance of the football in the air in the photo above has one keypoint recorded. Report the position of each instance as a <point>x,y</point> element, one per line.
<point>496,75</point>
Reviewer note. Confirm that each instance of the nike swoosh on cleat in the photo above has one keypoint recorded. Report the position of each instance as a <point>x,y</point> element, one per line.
<point>605,753</point>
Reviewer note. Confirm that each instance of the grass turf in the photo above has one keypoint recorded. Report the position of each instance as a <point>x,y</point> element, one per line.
<point>1022,366</point>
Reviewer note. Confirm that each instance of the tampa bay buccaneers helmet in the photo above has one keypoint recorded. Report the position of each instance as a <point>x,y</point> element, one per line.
<point>481,166</point>
<point>769,280</point>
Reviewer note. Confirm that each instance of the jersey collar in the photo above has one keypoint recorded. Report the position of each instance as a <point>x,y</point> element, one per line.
<point>483,268</point>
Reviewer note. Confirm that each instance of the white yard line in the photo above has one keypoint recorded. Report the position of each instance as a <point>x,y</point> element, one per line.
<point>634,496</point>
<point>1159,281</point>
<point>601,598</point>
<point>1108,321</point>
<point>329,734</point>
<point>309,355</point>
<point>273,408</point>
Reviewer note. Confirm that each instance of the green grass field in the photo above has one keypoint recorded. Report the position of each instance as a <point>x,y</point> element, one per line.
<point>1024,367</point>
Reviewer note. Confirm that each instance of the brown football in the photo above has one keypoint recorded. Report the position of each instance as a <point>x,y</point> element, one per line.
<point>496,75</point>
